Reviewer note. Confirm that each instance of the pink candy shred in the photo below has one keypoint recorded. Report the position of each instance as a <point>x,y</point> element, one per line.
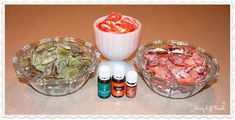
<point>176,64</point>
<point>116,23</point>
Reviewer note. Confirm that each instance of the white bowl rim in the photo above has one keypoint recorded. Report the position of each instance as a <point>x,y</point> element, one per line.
<point>103,17</point>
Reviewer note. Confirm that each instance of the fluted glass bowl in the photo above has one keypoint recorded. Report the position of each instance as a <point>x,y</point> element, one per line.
<point>174,89</point>
<point>68,78</point>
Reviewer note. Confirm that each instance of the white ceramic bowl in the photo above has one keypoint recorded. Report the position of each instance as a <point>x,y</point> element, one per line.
<point>116,46</point>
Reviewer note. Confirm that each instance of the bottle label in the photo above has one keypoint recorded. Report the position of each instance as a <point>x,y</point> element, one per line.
<point>118,89</point>
<point>104,89</point>
<point>131,91</point>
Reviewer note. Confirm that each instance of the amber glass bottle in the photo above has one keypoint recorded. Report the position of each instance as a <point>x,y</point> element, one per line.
<point>118,81</point>
<point>131,84</point>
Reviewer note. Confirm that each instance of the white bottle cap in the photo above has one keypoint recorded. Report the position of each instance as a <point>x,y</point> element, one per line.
<point>104,72</point>
<point>119,71</point>
<point>131,77</point>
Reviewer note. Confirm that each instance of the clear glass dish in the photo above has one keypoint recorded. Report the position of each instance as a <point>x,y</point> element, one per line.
<point>56,86</point>
<point>173,89</point>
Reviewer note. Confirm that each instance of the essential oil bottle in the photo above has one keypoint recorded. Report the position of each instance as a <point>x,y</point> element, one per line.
<point>104,82</point>
<point>118,81</point>
<point>131,84</point>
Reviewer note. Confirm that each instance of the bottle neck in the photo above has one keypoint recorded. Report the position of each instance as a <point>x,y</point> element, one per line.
<point>119,77</point>
<point>131,84</point>
<point>104,78</point>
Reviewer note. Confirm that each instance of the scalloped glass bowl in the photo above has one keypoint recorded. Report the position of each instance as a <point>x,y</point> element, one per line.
<point>58,87</point>
<point>171,89</point>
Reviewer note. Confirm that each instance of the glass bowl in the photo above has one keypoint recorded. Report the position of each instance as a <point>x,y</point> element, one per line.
<point>172,89</point>
<point>65,82</point>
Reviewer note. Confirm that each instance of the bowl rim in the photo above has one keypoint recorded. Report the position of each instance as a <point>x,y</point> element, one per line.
<point>33,44</point>
<point>95,23</point>
<point>141,51</point>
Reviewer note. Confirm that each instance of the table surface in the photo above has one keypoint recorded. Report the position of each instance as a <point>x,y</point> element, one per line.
<point>205,26</point>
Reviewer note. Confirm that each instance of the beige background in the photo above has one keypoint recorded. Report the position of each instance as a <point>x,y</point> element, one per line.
<point>205,26</point>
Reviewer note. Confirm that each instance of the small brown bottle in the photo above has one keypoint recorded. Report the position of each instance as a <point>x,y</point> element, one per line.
<point>131,84</point>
